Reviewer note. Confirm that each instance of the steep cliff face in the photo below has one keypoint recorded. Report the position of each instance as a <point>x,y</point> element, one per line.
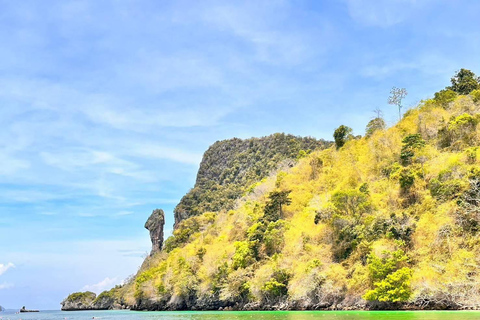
<point>155,224</point>
<point>229,167</point>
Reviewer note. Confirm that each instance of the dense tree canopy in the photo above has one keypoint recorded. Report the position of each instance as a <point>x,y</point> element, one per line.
<point>341,135</point>
<point>464,82</point>
<point>273,208</point>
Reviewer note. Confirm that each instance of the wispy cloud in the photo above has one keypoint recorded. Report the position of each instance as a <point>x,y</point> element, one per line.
<point>4,267</point>
<point>154,151</point>
<point>94,160</point>
<point>103,285</point>
<point>11,165</point>
<point>381,71</point>
<point>29,195</point>
<point>125,213</point>
<point>383,13</point>
<point>6,285</point>
<point>134,253</point>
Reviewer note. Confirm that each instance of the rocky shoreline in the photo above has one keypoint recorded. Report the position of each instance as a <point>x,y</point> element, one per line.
<point>316,307</point>
<point>347,304</point>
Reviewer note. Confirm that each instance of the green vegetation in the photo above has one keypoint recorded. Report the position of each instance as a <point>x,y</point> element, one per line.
<point>464,82</point>
<point>392,218</point>
<point>444,97</point>
<point>273,207</point>
<point>374,125</point>
<point>341,135</point>
<point>410,144</point>
<point>230,167</point>
<point>84,297</point>
<point>390,277</point>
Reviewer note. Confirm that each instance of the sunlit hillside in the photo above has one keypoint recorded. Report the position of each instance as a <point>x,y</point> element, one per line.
<point>391,219</point>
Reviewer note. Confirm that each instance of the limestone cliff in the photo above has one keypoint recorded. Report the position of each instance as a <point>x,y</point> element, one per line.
<point>79,301</point>
<point>230,166</point>
<point>90,301</point>
<point>155,224</point>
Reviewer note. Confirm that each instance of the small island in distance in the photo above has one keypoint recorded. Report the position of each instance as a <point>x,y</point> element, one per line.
<point>390,220</point>
<point>27,310</point>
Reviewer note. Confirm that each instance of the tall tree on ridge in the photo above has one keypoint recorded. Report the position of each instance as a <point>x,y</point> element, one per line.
<point>396,97</point>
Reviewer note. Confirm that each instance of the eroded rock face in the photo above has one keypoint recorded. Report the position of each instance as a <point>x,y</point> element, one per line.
<point>79,301</point>
<point>155,224</point>
<point>90,301</point>
<point>105,302</point>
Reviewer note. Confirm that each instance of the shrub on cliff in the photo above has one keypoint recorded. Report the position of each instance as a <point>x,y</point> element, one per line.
<point>444,97</point>
<point>390,276</point>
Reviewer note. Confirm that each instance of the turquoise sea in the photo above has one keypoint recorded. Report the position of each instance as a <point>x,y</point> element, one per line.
<point>246,315</point>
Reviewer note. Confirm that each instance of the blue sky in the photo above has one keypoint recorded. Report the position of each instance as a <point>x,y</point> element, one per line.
<point>107,106</point>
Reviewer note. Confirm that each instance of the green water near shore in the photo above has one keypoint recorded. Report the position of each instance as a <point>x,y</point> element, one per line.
<point>247,315</point>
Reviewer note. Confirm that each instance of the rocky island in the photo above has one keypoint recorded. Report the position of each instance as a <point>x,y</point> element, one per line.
<point>390,220</point>
<point>26,310</point>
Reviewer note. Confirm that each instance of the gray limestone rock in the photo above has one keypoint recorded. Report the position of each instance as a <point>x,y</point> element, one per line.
<point>79,301</point>
<point>155,224</point>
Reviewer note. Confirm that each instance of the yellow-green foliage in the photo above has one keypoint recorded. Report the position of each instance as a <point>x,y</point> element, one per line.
<point>475,94</point>
<point>389,217</point>
<point>83,297</point>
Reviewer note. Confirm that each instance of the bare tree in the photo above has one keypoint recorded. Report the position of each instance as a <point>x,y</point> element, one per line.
<point>396,97</point>
<point>378,112</point>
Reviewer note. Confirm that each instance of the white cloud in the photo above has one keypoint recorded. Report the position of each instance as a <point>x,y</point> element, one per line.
<point>79,158</point>
<point>383,13</point>
<point>6,285</point>
<point>262,26</point>
<point>124,213</point>
<point>5,267</point>
<point>381,71</point>
<point>155,151</point>
<point>426,63</point>
<point>30,196</point>
<point>11,165</point>
<point>103,285</point>
<point>129,117</point>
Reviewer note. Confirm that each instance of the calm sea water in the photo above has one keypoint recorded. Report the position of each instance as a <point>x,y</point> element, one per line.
<point>254,315</point>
